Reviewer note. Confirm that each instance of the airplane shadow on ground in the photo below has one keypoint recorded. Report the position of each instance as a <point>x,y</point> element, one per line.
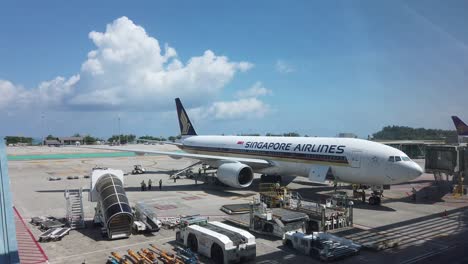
<point>209,188</point>
<point>427,195</point>
<point>92,231</point>
<point>159,172</point>
<point>414,182</point>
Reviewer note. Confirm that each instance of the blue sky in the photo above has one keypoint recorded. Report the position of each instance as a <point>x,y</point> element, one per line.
<point>318,68</point>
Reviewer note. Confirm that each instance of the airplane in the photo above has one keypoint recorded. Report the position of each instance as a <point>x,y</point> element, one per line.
<point>350,160</point>
<point>462,128</point>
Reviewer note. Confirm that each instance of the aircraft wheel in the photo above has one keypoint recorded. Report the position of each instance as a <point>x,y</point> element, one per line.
<point>377,200</point>
<point>217,254</point>
<point>192,243</point>
<point>289,244</point>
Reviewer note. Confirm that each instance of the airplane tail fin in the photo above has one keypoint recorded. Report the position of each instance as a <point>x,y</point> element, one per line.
<point>462,128</point>
<point>186,127</point>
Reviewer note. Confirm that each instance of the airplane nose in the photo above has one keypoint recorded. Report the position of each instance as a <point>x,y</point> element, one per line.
<point>416,171</point>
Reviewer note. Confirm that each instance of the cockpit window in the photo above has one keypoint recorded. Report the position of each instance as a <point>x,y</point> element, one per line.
<point>397,158</point>
<point>405,158</point>
<point>391,159</point>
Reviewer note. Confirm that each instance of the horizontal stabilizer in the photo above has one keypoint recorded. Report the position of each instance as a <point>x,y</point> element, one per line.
<point>318,173</point>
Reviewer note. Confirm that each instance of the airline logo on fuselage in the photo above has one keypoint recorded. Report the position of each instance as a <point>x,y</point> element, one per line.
<point>314,148</point>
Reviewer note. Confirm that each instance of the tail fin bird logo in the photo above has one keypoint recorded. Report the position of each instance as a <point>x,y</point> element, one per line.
<point>185,123</point>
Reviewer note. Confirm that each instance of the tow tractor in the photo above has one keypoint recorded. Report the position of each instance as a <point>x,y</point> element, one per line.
<point>138,169</point>
<point>220,242</point>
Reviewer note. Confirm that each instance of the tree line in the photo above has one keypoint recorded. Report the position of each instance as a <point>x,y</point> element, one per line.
<point>409,133</point>
<point>18,140</point>
<point>386,133</point>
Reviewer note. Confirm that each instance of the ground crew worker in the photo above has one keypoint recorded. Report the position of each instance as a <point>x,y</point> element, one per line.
<point>143,185</point>
<point>199,175</point>
<point>363,193</point>
<point>175,179</point>
<point>149,184</point>
<point>160,184</point>
<point>414,194</point>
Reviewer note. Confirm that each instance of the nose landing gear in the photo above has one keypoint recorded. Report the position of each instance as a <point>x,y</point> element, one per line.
<point>377,194</point>
<point>375,197</point>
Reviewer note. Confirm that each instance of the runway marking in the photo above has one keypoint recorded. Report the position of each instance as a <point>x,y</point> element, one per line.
<point>394,234</point>
<point>109,249</point>
<point>165,206</point>
<point>192,198</point>
<point>427,255</point>
<point>362,227</point>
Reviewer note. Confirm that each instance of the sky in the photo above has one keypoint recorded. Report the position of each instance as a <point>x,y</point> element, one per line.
<point>313,67</point>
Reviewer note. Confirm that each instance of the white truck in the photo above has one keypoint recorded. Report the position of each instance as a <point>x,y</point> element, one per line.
<point>321,245</point>
<point>220,242</point>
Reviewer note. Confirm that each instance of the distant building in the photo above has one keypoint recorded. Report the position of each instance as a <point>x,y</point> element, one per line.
<point>71,140</point>
<point>347,135</point>
<point>52,143</point>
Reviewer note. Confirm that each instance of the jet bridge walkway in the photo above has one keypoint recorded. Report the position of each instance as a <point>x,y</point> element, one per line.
<point>113,210</point>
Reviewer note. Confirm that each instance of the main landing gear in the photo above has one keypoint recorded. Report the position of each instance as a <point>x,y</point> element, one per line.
<point>375,197</point>
<point>269,178</point>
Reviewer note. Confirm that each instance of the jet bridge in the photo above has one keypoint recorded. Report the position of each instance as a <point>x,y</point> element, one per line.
<point>113,210</point>
<point>451,160</point>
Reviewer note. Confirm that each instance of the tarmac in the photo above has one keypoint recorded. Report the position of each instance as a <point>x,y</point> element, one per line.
<point>431,229</point>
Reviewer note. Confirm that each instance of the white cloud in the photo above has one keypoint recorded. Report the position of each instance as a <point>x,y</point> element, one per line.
<point>49,94</point>
<point>129,70</point>
<point>254,91</point>
<point>283,67</point>
<point>8,93</point>
<point>245,108</point>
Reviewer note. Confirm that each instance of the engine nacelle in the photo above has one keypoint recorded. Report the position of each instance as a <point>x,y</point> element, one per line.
<point>235,174</point>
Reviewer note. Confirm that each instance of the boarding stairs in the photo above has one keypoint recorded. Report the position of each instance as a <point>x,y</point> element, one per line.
<point>75,212</point>
<point>184,170</point>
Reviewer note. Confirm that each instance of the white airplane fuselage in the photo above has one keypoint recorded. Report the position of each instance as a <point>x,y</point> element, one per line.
<point>350,160</point>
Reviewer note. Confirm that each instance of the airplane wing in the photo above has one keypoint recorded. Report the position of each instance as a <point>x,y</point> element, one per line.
<point>254,163</point>
<point>160,142</point>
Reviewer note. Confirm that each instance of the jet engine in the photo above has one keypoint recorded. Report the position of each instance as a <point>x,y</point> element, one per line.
<point>235,174</point>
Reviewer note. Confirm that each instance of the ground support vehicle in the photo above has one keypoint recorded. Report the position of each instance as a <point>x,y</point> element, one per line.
<point>54,234</point>
<point>321,245</point>
<point>220,242</point>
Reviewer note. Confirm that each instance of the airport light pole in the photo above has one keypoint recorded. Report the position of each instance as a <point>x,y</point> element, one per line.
<point>43,129</point>
<point>119,129</point>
